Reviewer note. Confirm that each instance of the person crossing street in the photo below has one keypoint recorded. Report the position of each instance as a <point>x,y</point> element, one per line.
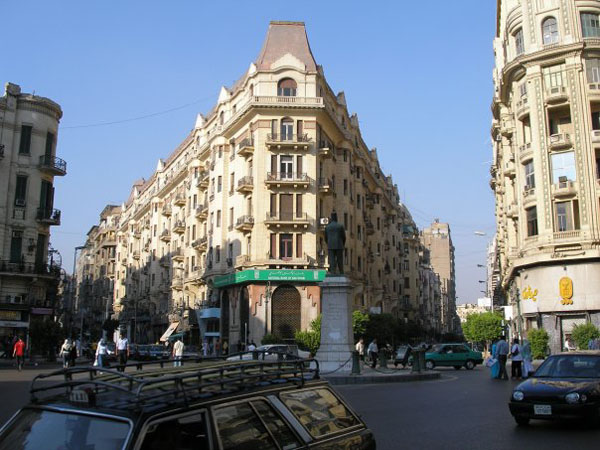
<point>122,352</point>
<point>19,353</point>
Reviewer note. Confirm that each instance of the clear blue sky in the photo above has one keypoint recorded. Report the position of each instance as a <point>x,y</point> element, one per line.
<point>419,79</point>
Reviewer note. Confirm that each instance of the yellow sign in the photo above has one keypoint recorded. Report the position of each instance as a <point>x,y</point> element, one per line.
<point>565,288</point>
<point>529,294</point>
<point>10,315</point>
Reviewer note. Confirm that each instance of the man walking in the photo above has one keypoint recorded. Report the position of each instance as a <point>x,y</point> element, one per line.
<point>501,355</point>
<point>177,352</point>
<point>360,348</point>
<point>372,350</point>
<point>19,353</point>
<point>122,352</point>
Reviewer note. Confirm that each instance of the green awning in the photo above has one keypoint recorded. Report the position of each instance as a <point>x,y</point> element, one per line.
<point>248,276</point>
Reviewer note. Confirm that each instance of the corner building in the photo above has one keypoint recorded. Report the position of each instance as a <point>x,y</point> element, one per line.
<point>225,240</point>
<point>545,172</point>
<point>28,164</point>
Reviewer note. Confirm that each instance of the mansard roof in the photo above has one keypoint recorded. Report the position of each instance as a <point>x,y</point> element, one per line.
<point>283,38</point>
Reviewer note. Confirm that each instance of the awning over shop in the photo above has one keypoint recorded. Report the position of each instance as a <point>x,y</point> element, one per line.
<point>176,336</point>
<point>169,332</point>
<point>249,276</point>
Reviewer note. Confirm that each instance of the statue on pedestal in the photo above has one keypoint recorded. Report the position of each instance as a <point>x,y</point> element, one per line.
<point>335,237</point>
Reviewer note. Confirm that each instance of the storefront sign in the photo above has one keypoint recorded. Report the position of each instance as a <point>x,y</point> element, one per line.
<point>529,294</point>
<point>247,276</point>
<point>11,324</point>
<point>565,288</point>
<point>41,311</point>
<point>10,315</point>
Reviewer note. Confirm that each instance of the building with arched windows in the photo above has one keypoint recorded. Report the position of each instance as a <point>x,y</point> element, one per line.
<point>546,166</point>
<point>226,239</point>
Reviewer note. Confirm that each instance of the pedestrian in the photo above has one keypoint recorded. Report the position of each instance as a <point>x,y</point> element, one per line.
<point>65,352</point>
<point>501,355</point>
<point>19,352</point>
<point>122,350</point>
<point>517,360</point>
<point>526,353</point>
<point>101,353</point>
<point>360,348</point>
<point>225,347</point>
<point>78,347</point>
<point>205,348</point>
<point>178,352</point>
<point>252,346</point>
<point>217,347</point>
<point>372,350</point>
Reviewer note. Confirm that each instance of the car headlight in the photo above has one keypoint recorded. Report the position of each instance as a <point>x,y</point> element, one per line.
<point>573,397</point>
<point>518,396</point>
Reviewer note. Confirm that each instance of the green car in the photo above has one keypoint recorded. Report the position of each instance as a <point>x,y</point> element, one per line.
<point>455,355</point>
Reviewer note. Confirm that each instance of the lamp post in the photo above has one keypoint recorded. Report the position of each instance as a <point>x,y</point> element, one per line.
<point>267,299</point>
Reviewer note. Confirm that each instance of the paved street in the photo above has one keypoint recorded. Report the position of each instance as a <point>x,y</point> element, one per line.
<point>462,410</point>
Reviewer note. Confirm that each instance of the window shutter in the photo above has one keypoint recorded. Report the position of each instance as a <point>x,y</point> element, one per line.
<point>274,165</point>
<point>299,165</point>
<point>273,245</point>
<point>298,205</point>
<point>300,128</point>
<point>25,143</point>
<point>49,144</point>
<point>298,245</point>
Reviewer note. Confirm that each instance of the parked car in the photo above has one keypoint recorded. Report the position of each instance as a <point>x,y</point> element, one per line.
<point>454,355</point>
<point>209,405</point>
<point>271,352</point>
<point>565,386</point>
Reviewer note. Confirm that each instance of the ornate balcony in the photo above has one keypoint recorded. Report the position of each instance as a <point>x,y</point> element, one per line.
<point>136,254</point>
<point>202,211</point>
<point>522,108</point>
<point>246,147</point>
<point>325,185</point>
<point>202,180</point>
<point>528,196</point>
<point>525,152</point>
<point>200,243</point>
<point>245,184</point>
<point>179,227</point>
<point>177,255</point>
<point>288,179</point>
<point>53,165</point>
<point>177,283</point>
<point>244,223</point>
<point>512,210</point>
<point>165,261</point>
<point>287,218</point>
<point>167,210</point>
<point>510,169</point>
<point>564,188</point>
<point>567,235</point>
<point>48,216</point>
<point>556,94</point>
<point>180,199</point>
<point>288,141</point>
<point>325,150</point>
<point>560,141</point>
<point>165,236</point>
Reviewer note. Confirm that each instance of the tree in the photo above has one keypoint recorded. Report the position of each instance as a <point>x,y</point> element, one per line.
<point>538,338</point>
<point>110,325</point>
<point>583,333</point>
<point>483,327</point>
<point>44,337</point>
<point>360,321</point>
<point>310,340</point>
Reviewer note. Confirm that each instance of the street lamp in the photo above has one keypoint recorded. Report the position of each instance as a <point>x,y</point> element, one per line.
<point>267,298</point>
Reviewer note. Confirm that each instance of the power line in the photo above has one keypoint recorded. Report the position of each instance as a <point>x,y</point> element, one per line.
<point>132,119</point>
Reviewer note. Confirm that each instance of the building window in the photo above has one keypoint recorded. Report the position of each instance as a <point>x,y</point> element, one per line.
<point>21,191</point>
<point>563,167</point>
<point>553,76</point>
<point>25,143</point>
<point>550,31</point>
<point>590,25</point>
<point>519,43</point>
<point>286,88</point>
<point>529,175</point>
<point>299,245</point>
<point>16,247</point>
<point>345,186</point>
<point>218,218</point>
<point>566,216</point>
<point>532,227</point>
<point>219,183</point>
<point>285,246</point>
<point>287,130</point>
<point>286,166</point>
<point>218,254</point>
<point>592,70</point>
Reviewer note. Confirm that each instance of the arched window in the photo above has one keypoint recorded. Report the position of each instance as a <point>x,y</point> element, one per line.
<point>550,31</point>
<point>287,129</point>
<point>286,87</point>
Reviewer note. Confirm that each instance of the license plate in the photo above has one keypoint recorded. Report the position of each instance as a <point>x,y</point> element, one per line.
<point>542,410</point>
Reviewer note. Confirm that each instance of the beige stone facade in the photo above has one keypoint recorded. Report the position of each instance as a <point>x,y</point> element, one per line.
<point>546,135</point>
<point>28,165</point>
<point>226,237</point>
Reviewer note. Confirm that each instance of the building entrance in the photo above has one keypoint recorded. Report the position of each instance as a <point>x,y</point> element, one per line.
<point>285,312</point>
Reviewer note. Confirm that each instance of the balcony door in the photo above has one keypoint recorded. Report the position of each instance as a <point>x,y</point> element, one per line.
<point>287,130</point>
<point>286,206</point>
<point>40,252</point>
<point>286,246</point>
<point>16,247</point>
<point>286,167</point>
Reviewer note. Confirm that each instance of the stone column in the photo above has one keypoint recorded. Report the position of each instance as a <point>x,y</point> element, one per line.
<point>336,325</point>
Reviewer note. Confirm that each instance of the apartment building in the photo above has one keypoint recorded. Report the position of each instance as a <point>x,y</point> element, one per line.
<point>28,165</point>
<point>226,238</point>
<point>546,170</point>
<point>438,240</point>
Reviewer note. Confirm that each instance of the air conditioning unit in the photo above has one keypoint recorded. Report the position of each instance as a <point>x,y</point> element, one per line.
<point>562,179</point>
<point>324,221</point>
<point>20,202</point>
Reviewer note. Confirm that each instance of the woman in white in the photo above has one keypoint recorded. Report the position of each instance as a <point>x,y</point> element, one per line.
<point>101,353</point>
<point>65,351</point>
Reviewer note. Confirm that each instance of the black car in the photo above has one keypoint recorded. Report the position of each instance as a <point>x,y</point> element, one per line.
<point>208,405</point>
<point>565,386</point>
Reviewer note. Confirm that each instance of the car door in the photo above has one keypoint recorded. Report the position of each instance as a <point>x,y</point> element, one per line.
<point>184,431</point>
<point>445,356</point>
<point>460,355</point>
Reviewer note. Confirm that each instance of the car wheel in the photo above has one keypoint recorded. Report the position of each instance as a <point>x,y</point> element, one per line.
<point>469,365</point>
<point>429,364</point>
<point>457,367</point>
<point>522,421</point>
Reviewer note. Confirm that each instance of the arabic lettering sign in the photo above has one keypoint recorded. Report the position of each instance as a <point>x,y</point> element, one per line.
<point>245,276</point>
<point>529,294</point>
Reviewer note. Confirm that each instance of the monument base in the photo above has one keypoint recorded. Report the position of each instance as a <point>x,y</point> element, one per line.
<point>335,352</point>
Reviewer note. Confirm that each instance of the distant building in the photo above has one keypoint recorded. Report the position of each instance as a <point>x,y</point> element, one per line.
<point>29,279</point>
<point>464,309</point>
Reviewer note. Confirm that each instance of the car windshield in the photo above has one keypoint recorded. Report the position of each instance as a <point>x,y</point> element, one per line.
<point>50,430</point>
<point>570,366</point>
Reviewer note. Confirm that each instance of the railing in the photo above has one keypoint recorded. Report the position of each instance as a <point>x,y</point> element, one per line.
<point>201,209</point>
<point>287,217</point>
<point>166,234</point>
<point>276,137</point>
<point>48,215</point>
<point>573,234</point>
<point>245,143</point>
<point>560,140</point>
<point>166,210</point>
<point>248,180</point>
<point>288,99</point>
<point>53,163</point>
<point>288,176</point>
<point>325,182</point>
<point>244,220</point>
<point>199,242</point>
<point>28,268</point>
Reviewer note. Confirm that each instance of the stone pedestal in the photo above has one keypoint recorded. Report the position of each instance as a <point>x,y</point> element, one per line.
<point>336,325</point>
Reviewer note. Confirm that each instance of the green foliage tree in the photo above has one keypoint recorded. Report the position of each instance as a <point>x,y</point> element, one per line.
<point>583,333</point>
<point>482,327</point>
<point>44,338</point>
<point>310,340</point>
<point>360,320</point>
<point>270,339</point>
<point>538,338</point>
<point>110,325</point>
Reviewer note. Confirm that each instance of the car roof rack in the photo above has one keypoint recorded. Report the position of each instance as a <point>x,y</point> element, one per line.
<point>191,382</point>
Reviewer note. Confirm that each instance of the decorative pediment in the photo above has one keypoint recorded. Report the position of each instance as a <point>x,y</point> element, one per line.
<point>288,60</point>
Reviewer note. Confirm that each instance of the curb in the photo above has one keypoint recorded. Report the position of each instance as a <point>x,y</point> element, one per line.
<point>370,379</point>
